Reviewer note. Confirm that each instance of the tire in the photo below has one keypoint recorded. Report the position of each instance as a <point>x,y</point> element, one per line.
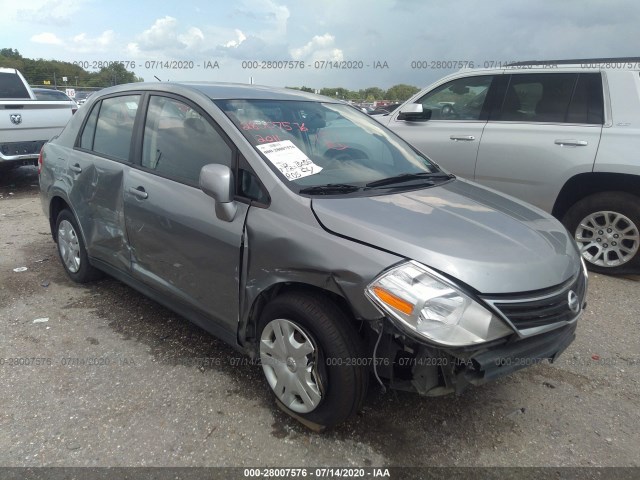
<point>72,251</point>
<point>606,227</point>
<point>319,358</point>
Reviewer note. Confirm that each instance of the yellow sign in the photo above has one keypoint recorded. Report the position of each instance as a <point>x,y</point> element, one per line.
<point>47,82</point>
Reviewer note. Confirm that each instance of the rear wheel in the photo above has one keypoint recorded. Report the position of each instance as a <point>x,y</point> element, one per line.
<point>606,227</point>
<point>72,251</point>
<point>312,358</point>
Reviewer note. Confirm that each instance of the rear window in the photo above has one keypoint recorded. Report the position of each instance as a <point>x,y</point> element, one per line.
<point>11,86</point>
<point>44,94</point>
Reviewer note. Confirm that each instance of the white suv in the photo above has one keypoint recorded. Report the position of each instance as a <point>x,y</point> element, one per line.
<point>562,135</point>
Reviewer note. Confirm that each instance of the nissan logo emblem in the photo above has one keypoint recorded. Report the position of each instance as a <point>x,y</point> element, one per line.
<point>573,301</point>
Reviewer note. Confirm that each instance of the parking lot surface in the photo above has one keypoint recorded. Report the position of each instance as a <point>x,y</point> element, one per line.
<point>98,375</point>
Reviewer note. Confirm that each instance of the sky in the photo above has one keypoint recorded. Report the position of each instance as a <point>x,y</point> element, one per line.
<point>332,43</point>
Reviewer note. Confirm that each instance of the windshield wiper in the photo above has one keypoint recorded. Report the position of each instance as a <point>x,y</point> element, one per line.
<point>331,188</point>
<point>406,177</point>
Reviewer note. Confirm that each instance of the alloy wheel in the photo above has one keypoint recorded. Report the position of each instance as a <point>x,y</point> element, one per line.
<point>607,239</point>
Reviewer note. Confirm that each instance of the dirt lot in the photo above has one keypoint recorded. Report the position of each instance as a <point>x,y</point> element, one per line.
<point>122,381</point>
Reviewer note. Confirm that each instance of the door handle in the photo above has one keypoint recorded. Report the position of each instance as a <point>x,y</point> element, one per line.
<point>138,192</point>
<point>464,138</point>
<point>76,168</point>
<point>571,143</point>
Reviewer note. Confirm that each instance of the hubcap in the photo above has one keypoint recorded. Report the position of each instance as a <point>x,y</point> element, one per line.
<point>68,246</point>
<point>288,359</point>
<point>607,239</point>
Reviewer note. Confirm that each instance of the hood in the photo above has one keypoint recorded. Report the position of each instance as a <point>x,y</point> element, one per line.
<point>493,243</point>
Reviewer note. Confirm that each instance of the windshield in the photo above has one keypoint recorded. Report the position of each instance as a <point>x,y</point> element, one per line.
<point>327,148</point>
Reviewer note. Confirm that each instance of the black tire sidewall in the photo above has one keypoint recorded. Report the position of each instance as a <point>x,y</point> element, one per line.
<point>339,346</point>
<point>620,202</point>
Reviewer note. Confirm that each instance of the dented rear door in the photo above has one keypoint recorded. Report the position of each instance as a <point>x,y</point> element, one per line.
<point>97,197</point>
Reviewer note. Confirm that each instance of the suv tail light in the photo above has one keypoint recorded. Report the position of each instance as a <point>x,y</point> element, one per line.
<point>40,160</point>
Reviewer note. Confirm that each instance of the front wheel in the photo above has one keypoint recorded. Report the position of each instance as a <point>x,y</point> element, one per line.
<point>606,227</point>
<point>310,357</point>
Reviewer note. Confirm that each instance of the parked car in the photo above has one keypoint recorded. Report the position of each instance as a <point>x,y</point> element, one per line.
<point>562,135</point>
<point>26,122</point>
<point>307,235</point>
<point>81,97</point>
<point>56,95</point>
<point>384,109</point>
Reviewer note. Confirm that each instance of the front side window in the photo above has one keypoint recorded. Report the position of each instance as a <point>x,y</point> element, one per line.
<point>114,127</point>
<point>179,141</point>
<point>461,99</point>
<point>327,148</point>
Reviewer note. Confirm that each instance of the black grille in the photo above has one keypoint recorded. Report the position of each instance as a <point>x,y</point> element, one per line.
<point>547,310</point>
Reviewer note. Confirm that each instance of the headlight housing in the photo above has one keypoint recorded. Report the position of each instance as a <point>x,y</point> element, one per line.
<point>434,309</point>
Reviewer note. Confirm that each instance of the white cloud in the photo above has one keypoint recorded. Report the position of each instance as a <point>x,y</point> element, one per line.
<point>194,38</point>
<point>47,38</point>
<point>166,36</point>
<point>132,49</point>
<point>162,34</point>
<point>274,15</point>
<point>83,43</point>
<point>321,47</point>
<point>236,43</point>
<point>56,12</point>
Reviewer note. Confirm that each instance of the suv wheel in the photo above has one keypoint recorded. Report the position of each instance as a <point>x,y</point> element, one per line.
<point>72,250</point>
<point>606,227</point>
<point>309,351</point>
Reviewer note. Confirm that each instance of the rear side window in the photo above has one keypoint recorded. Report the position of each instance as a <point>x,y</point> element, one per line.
<point>11,86</point>
<point>109,128</point>
<point>86,140</point>
<point>587,103</point>
<point>553,98</point>
<point>179,141</point>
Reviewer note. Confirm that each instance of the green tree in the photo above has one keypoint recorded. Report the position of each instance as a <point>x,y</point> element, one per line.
<point>401,92</point>
<point>302,89</point>
<point>336,92</point>
<point>52,72</point>
<point>114,74</point>
<point>10,53</point>
<point>373,93</point>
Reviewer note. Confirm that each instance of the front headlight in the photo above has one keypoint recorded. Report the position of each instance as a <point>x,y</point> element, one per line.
<point>433,308</point>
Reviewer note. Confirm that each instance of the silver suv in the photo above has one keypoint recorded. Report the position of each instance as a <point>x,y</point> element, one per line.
<point>306,234</point>
<point>562,135</point>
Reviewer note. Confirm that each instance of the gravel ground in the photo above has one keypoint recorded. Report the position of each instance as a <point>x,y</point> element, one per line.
<point>147,398</point>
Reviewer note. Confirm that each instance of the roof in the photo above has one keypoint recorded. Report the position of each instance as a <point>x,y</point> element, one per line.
<point>216,91</point>
<point>580,61</point>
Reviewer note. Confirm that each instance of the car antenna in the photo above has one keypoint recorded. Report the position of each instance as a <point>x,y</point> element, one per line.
<point>157,78</point>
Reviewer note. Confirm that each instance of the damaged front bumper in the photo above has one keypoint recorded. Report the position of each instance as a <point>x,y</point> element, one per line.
<point>432,372</point>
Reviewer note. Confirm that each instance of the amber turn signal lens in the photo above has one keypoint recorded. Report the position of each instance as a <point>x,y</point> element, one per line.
<point>393,300</point>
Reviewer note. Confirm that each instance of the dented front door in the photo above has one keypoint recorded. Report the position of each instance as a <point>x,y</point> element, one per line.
<point>180,248</point>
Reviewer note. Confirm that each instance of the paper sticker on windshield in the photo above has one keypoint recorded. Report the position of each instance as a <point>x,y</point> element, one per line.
<point>289,159</point>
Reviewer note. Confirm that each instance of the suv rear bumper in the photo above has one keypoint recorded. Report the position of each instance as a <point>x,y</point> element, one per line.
<point>20,153</point>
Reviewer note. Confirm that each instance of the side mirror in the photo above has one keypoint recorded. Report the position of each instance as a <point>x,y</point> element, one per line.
<point>414,113</point>
<point>217,181</point>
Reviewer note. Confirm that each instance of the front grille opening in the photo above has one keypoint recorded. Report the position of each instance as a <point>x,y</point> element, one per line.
<point>540,312</point>
<point>403,365</point>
